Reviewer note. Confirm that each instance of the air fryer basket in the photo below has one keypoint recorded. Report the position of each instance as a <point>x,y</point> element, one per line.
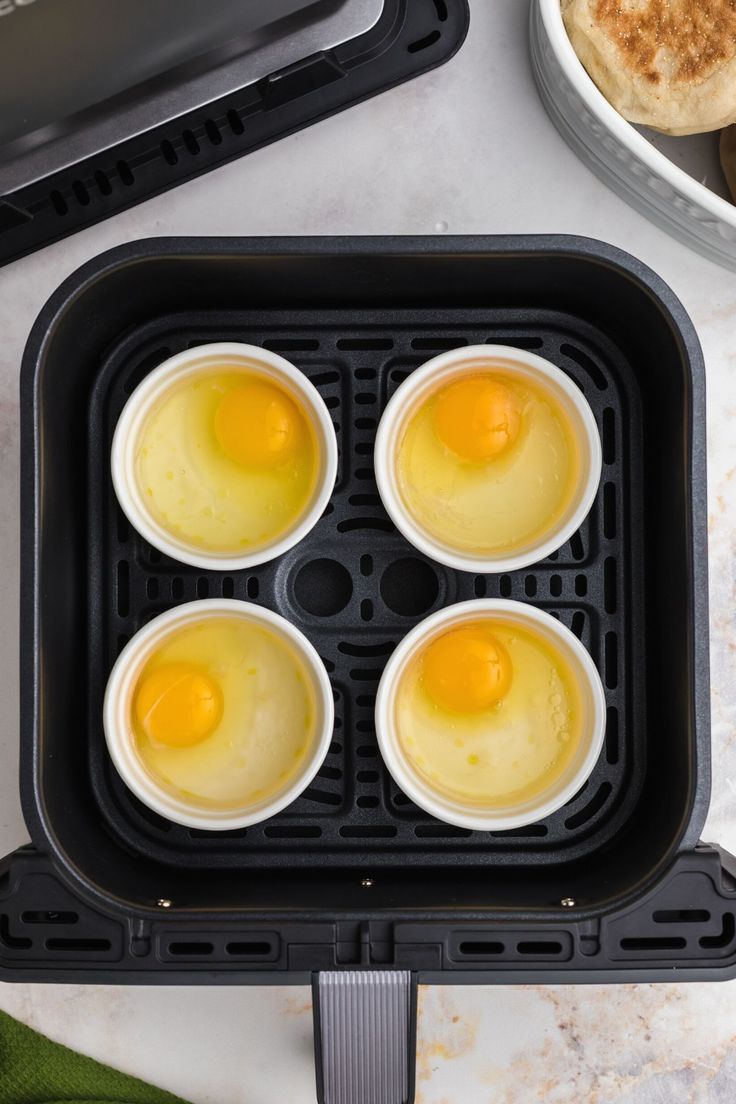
<point>615,886</point>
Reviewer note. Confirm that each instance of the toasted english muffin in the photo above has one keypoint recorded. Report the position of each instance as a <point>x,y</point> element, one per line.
<point>667,64</point>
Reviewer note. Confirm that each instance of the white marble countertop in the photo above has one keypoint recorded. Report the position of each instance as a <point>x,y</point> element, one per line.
<point>466,149</point>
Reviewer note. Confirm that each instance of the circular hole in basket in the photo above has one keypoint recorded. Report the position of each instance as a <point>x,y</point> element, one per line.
<point>409,587</point>
<point>323,587</point>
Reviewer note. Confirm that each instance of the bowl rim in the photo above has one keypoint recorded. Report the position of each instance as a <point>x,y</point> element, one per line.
<point>423,379</point>
<point>155,384</point>
<point>422,793</point>
<point>621,128</point>
<point>120,686</point>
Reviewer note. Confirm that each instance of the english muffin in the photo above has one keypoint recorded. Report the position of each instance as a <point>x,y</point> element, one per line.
<point>728,157</point>
<point>667,64</point>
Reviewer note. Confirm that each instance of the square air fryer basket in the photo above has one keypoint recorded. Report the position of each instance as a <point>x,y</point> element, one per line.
<point>615,886</point>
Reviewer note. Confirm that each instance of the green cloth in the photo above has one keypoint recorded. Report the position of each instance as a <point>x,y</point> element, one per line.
<point>33,1070</point>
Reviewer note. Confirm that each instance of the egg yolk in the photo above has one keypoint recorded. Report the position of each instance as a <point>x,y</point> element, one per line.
<point>178,705</point>
<point>257,425</point>
<point>477,418</point>
<point>466,670</point>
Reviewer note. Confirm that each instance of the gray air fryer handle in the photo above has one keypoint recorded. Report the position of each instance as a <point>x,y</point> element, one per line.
<point>365,1034</point>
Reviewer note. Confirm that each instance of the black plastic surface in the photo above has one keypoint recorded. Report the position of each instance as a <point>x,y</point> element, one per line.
<point>411,37</point>
<point>683,929</point>
<point>335,305</point>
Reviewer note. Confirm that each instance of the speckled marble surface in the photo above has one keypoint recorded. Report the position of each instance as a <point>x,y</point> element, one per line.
<point>466,149</point>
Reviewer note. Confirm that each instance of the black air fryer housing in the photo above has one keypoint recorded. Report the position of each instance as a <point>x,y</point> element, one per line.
<point>613,887</point>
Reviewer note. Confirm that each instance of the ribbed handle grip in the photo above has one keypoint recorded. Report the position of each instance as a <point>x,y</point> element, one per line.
<point>365,1036</point>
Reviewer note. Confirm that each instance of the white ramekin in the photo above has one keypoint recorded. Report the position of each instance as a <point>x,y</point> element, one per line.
<point>192,362</point>
<point>616,151</point>
<point>444,807</point>
<point>119,695</point>
<point>469,360</point>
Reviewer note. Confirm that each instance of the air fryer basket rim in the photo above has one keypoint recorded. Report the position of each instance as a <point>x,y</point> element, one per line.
<point>526,248</point>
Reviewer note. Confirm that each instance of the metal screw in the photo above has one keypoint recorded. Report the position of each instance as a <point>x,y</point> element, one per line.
<point>164,902</point>
<point>568,902</point>
<point>367,883</point>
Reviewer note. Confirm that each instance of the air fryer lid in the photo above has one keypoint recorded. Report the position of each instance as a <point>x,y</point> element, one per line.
<point>103,71</point>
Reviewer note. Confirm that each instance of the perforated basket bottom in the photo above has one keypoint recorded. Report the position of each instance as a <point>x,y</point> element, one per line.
<point>355,587</point>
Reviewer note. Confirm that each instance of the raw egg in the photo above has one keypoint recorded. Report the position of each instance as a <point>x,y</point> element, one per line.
<point>228,461</point>
<point>467,670</point>
<point>489,713</point>
<point>257,425</point>
<point>178,705</point>
<point>488,464</point>
<point>223,713</point>
<point>477,418</point>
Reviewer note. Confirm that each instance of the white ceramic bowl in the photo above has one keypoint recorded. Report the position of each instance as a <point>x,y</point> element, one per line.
<point>471,359</point>
<point>191,362</point>
<point>119,695</point>
<point>617,152</point>
<point>470,816</point>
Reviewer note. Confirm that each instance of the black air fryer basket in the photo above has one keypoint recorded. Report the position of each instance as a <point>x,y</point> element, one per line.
<point>352,886</point>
